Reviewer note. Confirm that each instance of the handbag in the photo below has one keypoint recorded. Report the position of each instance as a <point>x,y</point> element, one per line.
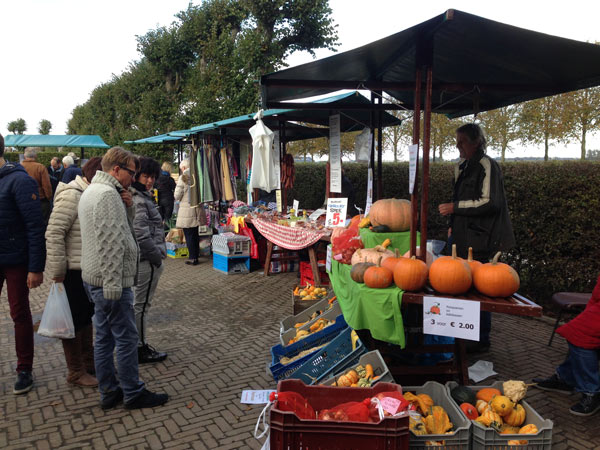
<point>57,321</point>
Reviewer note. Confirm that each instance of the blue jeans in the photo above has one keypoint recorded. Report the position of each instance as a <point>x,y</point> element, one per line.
<point>114,321</point>
<point>580,370</point>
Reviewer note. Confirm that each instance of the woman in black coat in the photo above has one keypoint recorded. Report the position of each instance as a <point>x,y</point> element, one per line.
<point>165,184</point>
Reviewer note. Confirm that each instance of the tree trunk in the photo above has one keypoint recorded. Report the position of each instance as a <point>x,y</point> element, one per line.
<point>583,133</point>
<point>545,146</point>
<point>395,151</point>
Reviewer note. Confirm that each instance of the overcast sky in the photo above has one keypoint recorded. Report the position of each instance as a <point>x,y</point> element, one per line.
<point>55,52</point>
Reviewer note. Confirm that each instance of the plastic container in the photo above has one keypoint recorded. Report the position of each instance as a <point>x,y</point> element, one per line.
<point>460,438</point>
<point>299,305</point>
<point>231,265</point>
<point>181,252</point>
<point>282,371</point>
<point>290,321</point>
<point>230,244</point>
<point>374,358</point>
<point>290,432</point>
<point>483,438</point>
<point>306,274</point>
<point>332,358</point>
<point>330,314</point>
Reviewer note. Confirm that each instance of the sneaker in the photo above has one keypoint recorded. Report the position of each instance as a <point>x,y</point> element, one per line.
<point>553,384</point>
<point>24,382</point>
<point>112,399</point>
<point>587,406</point>
<point>192,262</point>
<point>148,354</point>
<point>147,399</point>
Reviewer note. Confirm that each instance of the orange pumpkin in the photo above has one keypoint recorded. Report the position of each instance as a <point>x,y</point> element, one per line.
<point>428,257</point>
<point>516,417</point>
<point>502,405</point>
<point>486,394</point>
<point>529,429</point>
<point>393,212</point>
<point>474,265</point>
<point>496,279</point>
<point>450,274</point>
<point>410,274</point>
<point>469,410</point>
<point>390,263</point>
<point>378,277</point>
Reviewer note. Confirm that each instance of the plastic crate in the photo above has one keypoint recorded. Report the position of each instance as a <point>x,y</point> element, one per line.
<point>332,358</point>
<point>330,314</point>
<point>282,371</point>
<point>460,438</point>
<point>290,432</point>
<point>173,246</point>
<point>231,265</point>
<point>289,322</point>
<point>181,252</point>
<point>483,438</point>
<point>299,305</point>
<point>306,274</point>
<point>230,244</point>
<point>374,358</point>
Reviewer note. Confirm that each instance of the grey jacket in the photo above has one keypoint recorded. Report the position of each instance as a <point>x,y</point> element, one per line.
<point>148,227</point>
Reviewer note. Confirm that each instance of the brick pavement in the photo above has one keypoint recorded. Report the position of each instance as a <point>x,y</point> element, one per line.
<point>218,331</point>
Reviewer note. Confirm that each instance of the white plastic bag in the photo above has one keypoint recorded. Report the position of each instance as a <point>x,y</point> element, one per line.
<point>57,321</point>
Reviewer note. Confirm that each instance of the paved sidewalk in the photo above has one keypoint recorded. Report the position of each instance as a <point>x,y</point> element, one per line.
<point>218,330</point>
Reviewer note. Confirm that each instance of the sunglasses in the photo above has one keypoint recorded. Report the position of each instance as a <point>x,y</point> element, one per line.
<point>128,170</point>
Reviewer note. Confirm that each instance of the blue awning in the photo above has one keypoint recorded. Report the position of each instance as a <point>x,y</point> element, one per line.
<point>51,140</point>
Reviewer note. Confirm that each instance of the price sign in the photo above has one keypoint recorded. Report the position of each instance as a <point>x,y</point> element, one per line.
<point>451,317</point>
<point>278,199</point>
<point>336,212</point>
<point>413,156</point>
<point>369,191</point>
<point>296,205</point>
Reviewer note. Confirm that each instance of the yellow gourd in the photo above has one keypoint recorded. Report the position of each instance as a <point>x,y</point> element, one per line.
<point>517,416</point>
<point>502,405</point>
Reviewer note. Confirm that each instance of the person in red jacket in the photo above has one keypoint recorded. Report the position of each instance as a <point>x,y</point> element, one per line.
<point>580,371</point>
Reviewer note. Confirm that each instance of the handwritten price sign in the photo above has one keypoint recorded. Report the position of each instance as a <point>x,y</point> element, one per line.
<point>336,212</point>
<point>451,317</point>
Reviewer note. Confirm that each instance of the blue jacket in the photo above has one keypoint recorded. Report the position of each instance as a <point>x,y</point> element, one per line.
<point>71,173</point>
<point>21,222</point>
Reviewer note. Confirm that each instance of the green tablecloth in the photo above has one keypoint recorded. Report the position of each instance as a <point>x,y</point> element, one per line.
<point>400,240</point>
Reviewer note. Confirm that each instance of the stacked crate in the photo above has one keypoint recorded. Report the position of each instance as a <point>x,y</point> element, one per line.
<point>231,253</point>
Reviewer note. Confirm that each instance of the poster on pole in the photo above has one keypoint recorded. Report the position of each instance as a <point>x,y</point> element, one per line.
<point>413,152</point>
<point>335,155</point>
<point>276,158</point>
<point>336,212</point>
<point>369,191</point>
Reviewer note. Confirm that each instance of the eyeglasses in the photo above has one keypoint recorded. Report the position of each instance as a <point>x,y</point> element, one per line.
<point>129,171</point>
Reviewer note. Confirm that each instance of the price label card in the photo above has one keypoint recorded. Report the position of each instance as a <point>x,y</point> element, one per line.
<point>278,199</point>
<point>252,397</point>
<point>413,155</point>
<point>451,317</point>
<point>336,212</point>
<point>316,214</point>
<point>328,259</point>
<point>369,191</point>
<point>296,205</point>
<point>390,404</point>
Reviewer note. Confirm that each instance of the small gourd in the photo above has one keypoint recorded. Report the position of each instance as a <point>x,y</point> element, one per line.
<point>469,410</point>
<point>490,419</point>
<point>486,394</point>
<point>502,405</point>
<point>517,416</point>
<point>529,429</point>
<point>482,406</point>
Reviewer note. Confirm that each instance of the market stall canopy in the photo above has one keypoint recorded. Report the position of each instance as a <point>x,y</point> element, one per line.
<point>159,139</point>
<point>52,140</point>
<point>478,65</point>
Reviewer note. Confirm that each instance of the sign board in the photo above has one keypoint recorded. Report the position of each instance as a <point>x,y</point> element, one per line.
<point>296,205</point>
<point>451,317</point>
<point>276,158</point>
<point>336,212</point>
<point>413,152</point>
<point>328,259</point>
<point>278,199</point>
<point>369,191</point>
<point>316,214</point>
<point>335,155</point>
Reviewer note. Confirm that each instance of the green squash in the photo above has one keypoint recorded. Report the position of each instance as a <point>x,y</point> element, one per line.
<point>463,394</point>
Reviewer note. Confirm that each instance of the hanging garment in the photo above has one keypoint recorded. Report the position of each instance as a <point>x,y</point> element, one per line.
<point>194,191</point>
<point>214,171</point>
<point>206,187</point>
<point>232,172</point>
<point>264,175</point>
<point>227,189</point>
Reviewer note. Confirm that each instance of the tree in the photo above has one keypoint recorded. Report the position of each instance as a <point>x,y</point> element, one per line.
<point>540,122</point>
<point>581,114</point>
<point>501,127</point>
<point>18,126</point>
<point>45,126</point>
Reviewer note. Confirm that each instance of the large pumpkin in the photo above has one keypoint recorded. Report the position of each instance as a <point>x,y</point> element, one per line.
<point>450,274</point>
<point>378,277</point>
<point>410,274</point>
<point>496,279</point>
<point>372,255</point>
<point>393,212</point>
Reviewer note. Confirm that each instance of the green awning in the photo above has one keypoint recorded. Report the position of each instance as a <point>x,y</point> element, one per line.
<point>160,139</point>
<point>51,140</point>
<point>477,65</point>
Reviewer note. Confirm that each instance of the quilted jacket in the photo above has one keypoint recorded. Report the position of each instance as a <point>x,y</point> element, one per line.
<point>148,226</point>
<point>584,330</point>
<point>187,217</point>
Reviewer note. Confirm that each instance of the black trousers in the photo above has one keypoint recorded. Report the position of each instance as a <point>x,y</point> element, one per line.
<point>82,309</point>
<point>193,241</point>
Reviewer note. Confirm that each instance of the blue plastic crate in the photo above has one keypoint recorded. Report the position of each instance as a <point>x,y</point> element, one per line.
<point>334,357</point>
<point>283,371</point>
<point>231,264</point>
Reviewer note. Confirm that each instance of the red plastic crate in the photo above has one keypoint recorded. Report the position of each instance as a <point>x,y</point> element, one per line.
<point>306,275</point>
<point>290,432</point>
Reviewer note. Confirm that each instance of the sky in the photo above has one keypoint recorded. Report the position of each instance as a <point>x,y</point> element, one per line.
<point>55,52</point>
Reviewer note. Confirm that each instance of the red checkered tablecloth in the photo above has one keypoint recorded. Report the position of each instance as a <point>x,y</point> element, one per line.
<point>290,238</point>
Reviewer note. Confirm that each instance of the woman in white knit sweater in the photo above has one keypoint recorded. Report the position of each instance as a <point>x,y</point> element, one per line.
<point>63,264</point>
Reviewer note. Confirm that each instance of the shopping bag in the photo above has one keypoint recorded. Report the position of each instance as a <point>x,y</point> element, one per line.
<point>57,321</point>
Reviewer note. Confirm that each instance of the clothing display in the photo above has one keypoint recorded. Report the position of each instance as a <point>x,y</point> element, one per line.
<point>264,173</point>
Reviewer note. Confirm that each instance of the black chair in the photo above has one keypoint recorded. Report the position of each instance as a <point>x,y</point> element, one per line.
<point>568,302</point>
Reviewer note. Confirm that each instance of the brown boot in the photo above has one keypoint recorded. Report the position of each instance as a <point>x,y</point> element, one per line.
<point>76,370</point>
<point>87,349</point>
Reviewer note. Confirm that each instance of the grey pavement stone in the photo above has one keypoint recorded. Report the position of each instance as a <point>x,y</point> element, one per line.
<point>218,330</point>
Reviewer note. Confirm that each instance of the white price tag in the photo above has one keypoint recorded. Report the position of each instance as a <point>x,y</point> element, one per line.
<point>413,152</point>
<point>278,199</point>
<point>296,205</point>
<point>451,317</point>
<point>252,397</point>
<point>336,212</point>
<point>369,191</point>
<point>316,214</point>
<point>328,259</point>
<point>335,155</point>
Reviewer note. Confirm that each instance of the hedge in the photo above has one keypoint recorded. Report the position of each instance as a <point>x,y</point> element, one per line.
<point>46,156</point>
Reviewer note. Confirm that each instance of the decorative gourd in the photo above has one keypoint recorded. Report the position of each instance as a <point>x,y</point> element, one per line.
<point>390,263</point>
<point>496,279</point>
<point>348,379</point>
<point>469,410</point>
<point>486,394</point>
<point>517,416</point>
<point>428,257</point>
<point>529,429</point>
<point>393,212</point>
<point>378,277</point>
<point>482,406</point>
<point>410,274</point>
<point>422,402</point>
<point>508,429</point>
<point>416,425</point>
<point>463,394</point>
<point>473,264</point>
<point>357,273</point>
<point>490,419</point>
<point>372,255</point>
<point>450,274</point>
<point>515,442</point>
<point>437,421</point>
<point>502,405</point>
<point>515,390</point>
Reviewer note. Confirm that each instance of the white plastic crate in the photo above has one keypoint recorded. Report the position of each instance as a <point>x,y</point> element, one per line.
<point>374,358</point>
<point>231,244</point>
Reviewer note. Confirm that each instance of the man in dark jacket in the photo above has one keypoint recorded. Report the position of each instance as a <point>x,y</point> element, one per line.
<point>165,184</point>
<point>22,257</point>
<point>55,170</point>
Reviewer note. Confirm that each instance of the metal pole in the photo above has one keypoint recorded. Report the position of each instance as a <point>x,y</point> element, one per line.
<point>380,150</point>
<point>372,156</point>
<point>416,135</point>
<point>426,145</point>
